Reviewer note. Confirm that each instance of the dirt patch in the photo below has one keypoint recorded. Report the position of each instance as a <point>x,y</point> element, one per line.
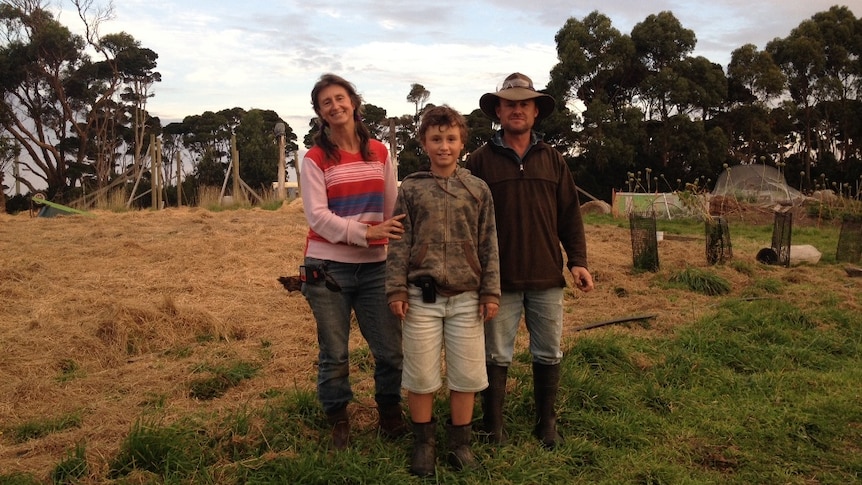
<point>135,303</point>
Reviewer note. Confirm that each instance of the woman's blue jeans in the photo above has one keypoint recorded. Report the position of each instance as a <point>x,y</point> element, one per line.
<point>363,293</point>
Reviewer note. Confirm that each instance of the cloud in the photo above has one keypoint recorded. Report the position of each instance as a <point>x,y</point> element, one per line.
<point>217,54</point>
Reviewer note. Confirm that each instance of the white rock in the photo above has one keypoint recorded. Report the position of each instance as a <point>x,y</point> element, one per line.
<point>804,254</point>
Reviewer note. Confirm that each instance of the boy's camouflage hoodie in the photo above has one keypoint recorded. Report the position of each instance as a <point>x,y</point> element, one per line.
<point>449,233</point>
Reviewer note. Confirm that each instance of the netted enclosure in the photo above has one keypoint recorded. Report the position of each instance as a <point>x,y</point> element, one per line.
<point>781,231</point>
<point>644,242</point>
<point>718,247</point>
<point>850,240</point>
<point>756,184</point>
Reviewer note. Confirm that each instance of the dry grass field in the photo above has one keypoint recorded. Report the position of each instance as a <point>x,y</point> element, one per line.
<point>102,316</point>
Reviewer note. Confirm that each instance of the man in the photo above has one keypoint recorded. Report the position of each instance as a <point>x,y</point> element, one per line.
<point>537,210</point>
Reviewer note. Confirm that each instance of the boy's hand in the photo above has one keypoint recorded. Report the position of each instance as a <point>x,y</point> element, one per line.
<point>399,308</point>
<point>488,310</point>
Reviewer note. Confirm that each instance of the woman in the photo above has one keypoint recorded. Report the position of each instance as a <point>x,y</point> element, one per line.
<point>348,189</point>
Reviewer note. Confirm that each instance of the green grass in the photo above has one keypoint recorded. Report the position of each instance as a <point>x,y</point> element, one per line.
<point>73,468</point>
<point>759,391</point>
<point>220,378</point>
<point>40,428</point>
<point>762,389</point>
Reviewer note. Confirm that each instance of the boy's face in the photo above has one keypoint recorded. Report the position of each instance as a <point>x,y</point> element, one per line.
<point>443,144</point>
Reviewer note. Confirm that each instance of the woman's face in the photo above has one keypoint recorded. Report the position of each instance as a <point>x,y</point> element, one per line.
<point>335,106</point>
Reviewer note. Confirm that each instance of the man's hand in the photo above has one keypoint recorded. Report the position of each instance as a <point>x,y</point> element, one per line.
<point>583,278</point>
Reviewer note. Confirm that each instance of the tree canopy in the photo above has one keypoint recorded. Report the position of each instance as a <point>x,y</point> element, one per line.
<point>634,108</point>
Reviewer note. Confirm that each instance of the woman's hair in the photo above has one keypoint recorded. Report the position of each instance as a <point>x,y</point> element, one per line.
<point>321,138</point>
<point>442,116</point>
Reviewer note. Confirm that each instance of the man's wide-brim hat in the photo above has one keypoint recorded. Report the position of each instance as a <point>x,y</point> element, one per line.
<point>516,87</point>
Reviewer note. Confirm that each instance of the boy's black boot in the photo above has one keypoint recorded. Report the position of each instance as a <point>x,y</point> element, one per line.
<point>460,454</point>
<point>424,456</point>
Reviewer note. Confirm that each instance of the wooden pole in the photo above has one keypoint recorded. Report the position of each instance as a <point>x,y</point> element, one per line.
<point>235,158</point>
<point>298,178</point>
<point>279,131</point>
<point>224,183</point>
<point>393,146</point>
<point>160,197</point>
<point>179,162</point>
<point>154,172</point>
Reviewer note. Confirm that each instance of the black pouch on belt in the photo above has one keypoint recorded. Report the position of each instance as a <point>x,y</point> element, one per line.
<point>429,288</point>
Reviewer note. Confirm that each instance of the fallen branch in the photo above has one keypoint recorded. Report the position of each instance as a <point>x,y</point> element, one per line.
<point>615,320</point>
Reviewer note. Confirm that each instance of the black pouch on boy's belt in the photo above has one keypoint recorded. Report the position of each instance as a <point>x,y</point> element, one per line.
<point>428,287</point>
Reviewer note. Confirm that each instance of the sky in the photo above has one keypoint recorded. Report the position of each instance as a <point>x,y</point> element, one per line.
<point>218,54</point>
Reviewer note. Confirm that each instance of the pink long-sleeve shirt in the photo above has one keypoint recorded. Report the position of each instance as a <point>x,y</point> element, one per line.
<point>341,199</point>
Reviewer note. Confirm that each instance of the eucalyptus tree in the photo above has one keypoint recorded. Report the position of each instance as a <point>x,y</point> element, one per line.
<point>207,138</point>
<point>60,91</point>
<point>9,151</point>
<point>821,60</point>
<point>598,69</point>
<point>258,147</point>
<point>595,62</point>
<point>755,83</point>
<point>480,129</point>
<point>661,44</point>
<point>411,157</point>
<point>418,95</point>
<point>375,119</point>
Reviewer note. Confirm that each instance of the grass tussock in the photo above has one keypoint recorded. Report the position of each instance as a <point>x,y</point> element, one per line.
<point>701,281</point>
<point>39,428</point>
<point>134,330</point>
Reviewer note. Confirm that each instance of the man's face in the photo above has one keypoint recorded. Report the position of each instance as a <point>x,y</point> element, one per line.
<point>517,117</point>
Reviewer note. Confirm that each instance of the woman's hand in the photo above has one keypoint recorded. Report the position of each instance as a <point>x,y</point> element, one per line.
<point>392,229</point>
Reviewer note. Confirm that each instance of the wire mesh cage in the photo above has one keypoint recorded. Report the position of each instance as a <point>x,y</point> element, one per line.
<point>850,240</point>
<point>781,231</point>
<point>718,247</point>
<point>644,241</point>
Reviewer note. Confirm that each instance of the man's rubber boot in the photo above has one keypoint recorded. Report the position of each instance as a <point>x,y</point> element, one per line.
<point>391,423</point>
<point>546,382</point>
<point>492,404</point>
<point>340,422</point>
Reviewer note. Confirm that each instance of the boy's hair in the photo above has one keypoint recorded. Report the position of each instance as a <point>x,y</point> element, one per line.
<point>442,116</point>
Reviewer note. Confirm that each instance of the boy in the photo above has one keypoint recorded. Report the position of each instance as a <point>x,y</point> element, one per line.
<point>443,281</point>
